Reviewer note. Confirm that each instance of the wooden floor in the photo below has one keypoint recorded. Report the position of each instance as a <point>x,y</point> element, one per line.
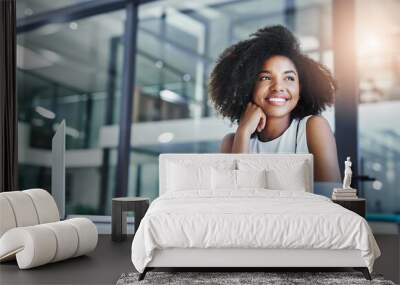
<point>110,259</point>
<point>103,266</point>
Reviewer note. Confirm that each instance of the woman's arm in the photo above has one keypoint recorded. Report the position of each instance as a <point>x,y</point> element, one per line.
<point>227,142</point>
<point>235,143</point>
<point>251,120</point>
<point>241,142</point>
<point>321,143</point>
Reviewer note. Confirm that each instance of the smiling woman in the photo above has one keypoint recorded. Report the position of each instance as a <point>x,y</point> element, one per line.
<point>276,93</point>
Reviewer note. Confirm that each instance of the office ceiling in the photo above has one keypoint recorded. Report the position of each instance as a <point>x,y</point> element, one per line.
<point>77,53</point>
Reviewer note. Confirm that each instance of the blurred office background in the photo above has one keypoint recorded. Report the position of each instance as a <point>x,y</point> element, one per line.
<point>70,59</point>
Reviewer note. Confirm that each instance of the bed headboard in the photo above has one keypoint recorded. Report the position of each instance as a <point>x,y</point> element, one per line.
<point>231,160</point>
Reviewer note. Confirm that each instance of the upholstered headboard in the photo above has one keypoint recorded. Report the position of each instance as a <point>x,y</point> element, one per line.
<point>231,161</point>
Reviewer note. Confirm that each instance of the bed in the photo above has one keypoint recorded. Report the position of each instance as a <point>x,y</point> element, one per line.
<point>246,211</point>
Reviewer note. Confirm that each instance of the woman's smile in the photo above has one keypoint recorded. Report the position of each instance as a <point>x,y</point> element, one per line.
<point>277,100</point>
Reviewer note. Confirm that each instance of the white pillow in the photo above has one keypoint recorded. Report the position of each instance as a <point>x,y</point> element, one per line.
<point>282,173</point>
<point>251,178</point>
<point>181,177</point>
<point>223,179</point>
<point>228,179</point>
<point>293,179</point>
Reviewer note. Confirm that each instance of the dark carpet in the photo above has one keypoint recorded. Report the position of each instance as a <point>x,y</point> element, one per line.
<point>228,278</point>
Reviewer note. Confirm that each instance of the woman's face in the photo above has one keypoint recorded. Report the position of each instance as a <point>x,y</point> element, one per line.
<point>277,87</point>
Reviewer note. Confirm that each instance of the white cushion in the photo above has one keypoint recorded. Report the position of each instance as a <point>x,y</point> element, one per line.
<point>23,208</point>
<point>282,174</point>
<point>251,178</point>
<point>34,244</point>
<point>183,177</point>
<point>291,179</point>
<point>26,208</point>
<point>223,179</point>
<point>7,218</point>
<point>45,205</point>
<point>230,180</point>
<point>40,244</point>
<point>87,235</point>
<point>67,240</point>
<point>168,177</point>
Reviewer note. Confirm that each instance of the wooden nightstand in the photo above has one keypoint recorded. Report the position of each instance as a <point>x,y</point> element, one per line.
<point>356,205</point>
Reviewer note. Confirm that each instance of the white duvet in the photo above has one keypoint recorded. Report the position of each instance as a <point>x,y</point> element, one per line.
<point>252,218</point>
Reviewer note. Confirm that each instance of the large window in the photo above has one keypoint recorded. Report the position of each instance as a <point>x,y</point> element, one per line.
<point>70,71</point>
<point>378,49</point>
<point>73,71</point>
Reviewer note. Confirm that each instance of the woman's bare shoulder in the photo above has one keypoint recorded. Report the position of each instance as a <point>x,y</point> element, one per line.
<point>227,143</point>
<point>319,134</point>
<point>318,124</point>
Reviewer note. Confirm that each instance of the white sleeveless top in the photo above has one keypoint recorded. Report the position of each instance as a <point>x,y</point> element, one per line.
<point>286,143</point>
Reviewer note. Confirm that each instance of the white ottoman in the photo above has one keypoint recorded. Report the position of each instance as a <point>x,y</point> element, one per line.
<point>31,232</point>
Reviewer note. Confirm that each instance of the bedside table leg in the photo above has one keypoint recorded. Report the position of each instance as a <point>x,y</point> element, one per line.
<point>118,223</point>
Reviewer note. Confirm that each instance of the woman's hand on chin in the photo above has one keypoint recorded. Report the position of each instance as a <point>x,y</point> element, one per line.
<point>253,119</point>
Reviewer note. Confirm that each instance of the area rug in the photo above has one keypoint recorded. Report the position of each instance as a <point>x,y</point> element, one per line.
<point>273,278</point>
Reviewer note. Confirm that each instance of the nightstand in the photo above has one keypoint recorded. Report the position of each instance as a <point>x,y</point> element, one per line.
<point>356,205</point>
<point>120,207</point>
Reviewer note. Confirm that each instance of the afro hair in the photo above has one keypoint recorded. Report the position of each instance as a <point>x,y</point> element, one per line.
<point>234,76</point>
